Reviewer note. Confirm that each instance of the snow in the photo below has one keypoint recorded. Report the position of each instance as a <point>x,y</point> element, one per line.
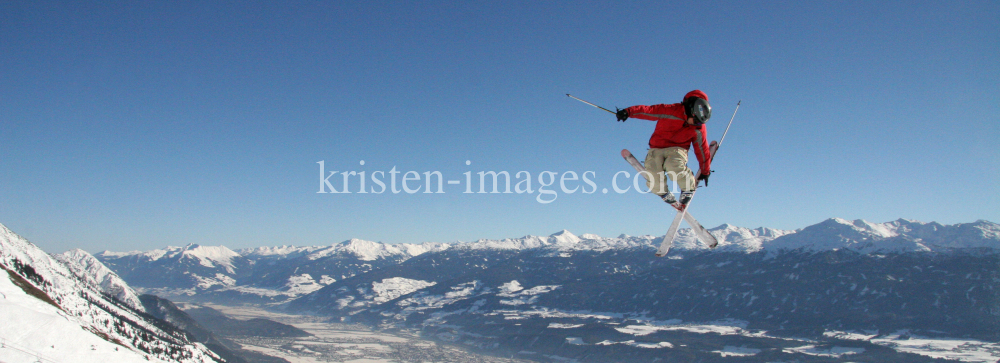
<point>834,352</point>
<point>424,301</point>
<point>575,341</point>
<point>964,350</point>
<point>638,345</point>
<point>564,326</point>
<point>92,272</point>
<point>860,235</point>
<point>509,288</point>
<point>896,236</point>
<point>392,288</point>
<point>209,256</point>
<point>740,239</point>
<point>31,329</point>
<point>722,327</point>
<point>564,237</point>
<point>368,250</point>
<point>543,312</point>
<point>832,234</point>
<point>279,251</point>
<point>205,283</point>
<point>148,255</point>
<point>732,351</point>
<point>302,284</point>
<point>412,249</point>
<point>521,296</point>
<point>527,242</point>
<point>364,250</point>
<point>331,342</point>
<point>850,335</point>
<point>30,324</point>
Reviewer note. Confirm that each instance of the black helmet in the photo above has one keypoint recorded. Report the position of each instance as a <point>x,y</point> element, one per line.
<point>699,109</point>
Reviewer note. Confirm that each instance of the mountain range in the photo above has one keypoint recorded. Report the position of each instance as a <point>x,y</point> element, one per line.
<point>838,290</point>
<point>281,274</point>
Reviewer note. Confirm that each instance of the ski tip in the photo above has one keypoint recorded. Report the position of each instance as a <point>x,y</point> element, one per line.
<point>625,153</point>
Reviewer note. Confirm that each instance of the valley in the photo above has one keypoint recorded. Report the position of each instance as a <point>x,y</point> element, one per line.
<point>336,342</point>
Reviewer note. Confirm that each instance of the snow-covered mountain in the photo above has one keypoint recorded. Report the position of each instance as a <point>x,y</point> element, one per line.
<point>897,236</point>
<point>89,270</point>
<point>191,266</point>
<point>762,295</point>
<point>279,274</point>
<point>259,275</point>
<point>73,309</point>
<point>838,291</point>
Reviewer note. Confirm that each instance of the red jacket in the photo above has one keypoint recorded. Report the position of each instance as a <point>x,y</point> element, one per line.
<point>672,131</point>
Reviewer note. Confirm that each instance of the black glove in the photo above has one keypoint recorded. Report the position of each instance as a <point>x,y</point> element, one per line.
<point>703,177</point>
<point>622,115</point>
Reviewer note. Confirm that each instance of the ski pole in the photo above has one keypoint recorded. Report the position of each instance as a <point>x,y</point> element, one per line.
<point>730,124</point>
<point>719,144</point>
<point>574,97</point>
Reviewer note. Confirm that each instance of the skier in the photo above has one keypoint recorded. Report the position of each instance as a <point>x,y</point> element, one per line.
<point>678,125</point>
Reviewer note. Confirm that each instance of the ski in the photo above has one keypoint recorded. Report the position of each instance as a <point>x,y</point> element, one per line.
<point>698,229</point>
<point>668,239</point>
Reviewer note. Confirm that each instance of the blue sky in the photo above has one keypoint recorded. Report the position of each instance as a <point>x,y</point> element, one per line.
<point>137,125</point>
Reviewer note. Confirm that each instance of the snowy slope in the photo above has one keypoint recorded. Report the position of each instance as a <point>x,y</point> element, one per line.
<point>78,308</point>
<point>740,239</point>
<point>363,250</point>
<point>92,272</point>
<point>896,236</point>
<point>31,329</point>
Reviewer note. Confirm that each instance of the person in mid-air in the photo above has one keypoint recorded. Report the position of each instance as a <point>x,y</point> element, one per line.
<point>678,125</point>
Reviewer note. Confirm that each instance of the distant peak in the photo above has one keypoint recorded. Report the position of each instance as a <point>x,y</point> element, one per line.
<point>839,220</point>
<point>357,242</point>
<point>565,236</point>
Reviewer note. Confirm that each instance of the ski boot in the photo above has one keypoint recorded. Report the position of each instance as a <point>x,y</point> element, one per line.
<point>686,197</point>
<point>669,198</point>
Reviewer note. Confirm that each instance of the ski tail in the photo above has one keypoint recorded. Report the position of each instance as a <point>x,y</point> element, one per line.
<point>668,239</point>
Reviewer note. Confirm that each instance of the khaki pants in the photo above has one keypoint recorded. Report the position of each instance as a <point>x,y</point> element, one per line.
<point>670,162</point>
